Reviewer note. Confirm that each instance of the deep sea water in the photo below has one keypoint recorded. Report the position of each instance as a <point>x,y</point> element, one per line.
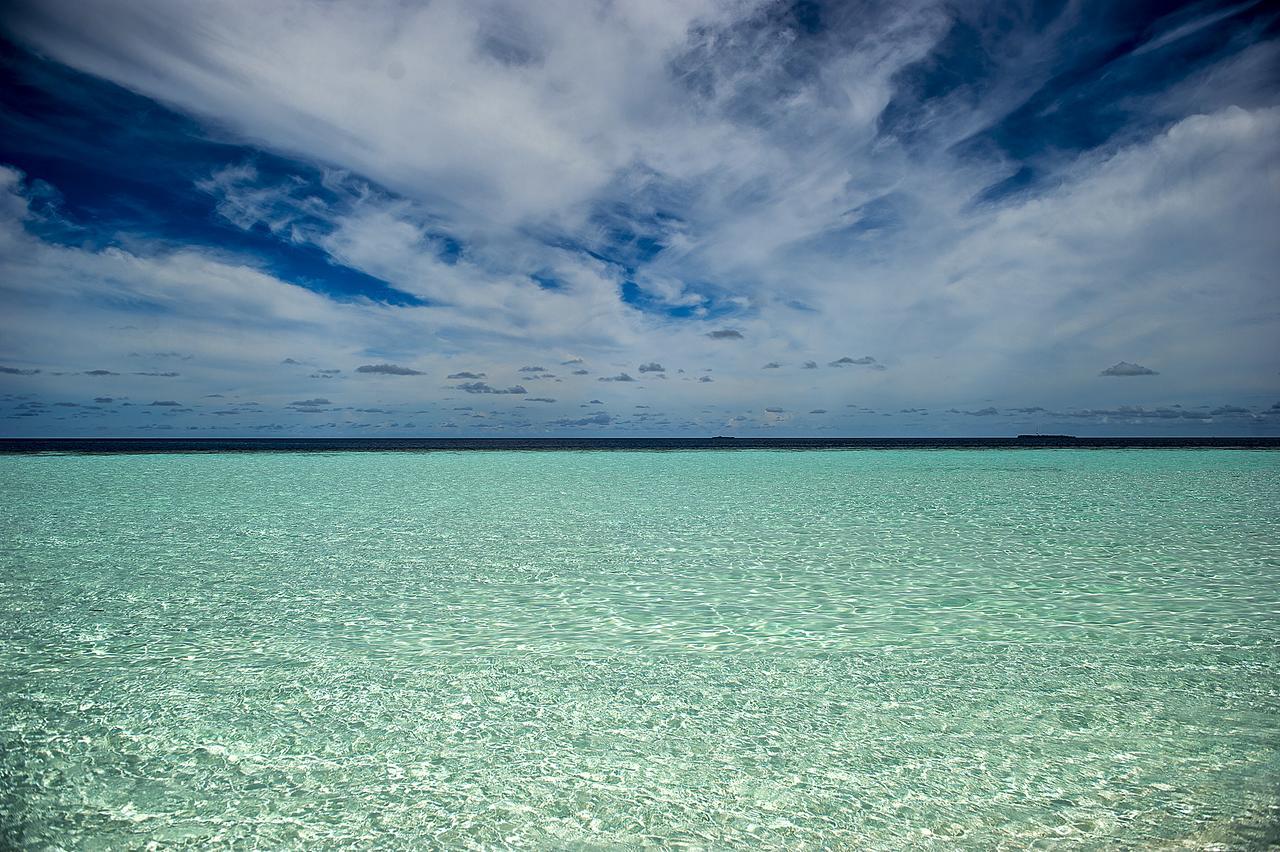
<point>830,649</point>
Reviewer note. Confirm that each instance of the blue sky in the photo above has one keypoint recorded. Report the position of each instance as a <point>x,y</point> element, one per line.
<point>639,218</point>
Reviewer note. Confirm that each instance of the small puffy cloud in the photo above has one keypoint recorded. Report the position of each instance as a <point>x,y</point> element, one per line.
<point>725,334</point>
<point>388,370</point>
<point>809,365</point>
<point>465,374</point>
<point>772,365</point>
<point>621,377</point>
<point>706,380</point>
<point>481,387</point>
<point>600,419</point>
<point>864,361</point>
<point>571,362</point>
<point>652,367</point>
<point>981,412</point>
<point>581,372</point>
<point>1124,368</point>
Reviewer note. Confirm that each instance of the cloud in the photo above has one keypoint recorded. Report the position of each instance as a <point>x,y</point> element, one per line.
<point>158,375</point>
<point>652,367</point>
<point>598,402</point>
<point>818,411</point>
<point>103,399</point>
<point>14,371</point>
<point>1124,368</point>
<point>981,412</point>
<point>810,365</point>
<point>482,387</point>
<point>465,375</point>
<point>540,399</point>
<point>864,361</point>
<point>100,373</point>
<point>705,380</point>
<point>775,410</point>
<point>532,370</point>
<point>311,402</point>
<point>582,372</point>
<point>600,419</point>
<point>167,403</point>
<point>991,212</point>
<point>772,365</point>
<point>571,362</point>
<point>388,370</point>
<point>621,377</point>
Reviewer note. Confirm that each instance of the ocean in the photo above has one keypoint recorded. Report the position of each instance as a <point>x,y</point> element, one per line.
<point>850,645</point>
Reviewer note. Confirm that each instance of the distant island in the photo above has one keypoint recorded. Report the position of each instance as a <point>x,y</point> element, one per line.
<point>1046,437</point>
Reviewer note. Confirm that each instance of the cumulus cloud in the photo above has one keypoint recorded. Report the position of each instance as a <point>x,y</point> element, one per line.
<point>387,370</point>
<point>600,419</point>
<point>864,361</point>
<point>482,387</point>
<point>465,375</point>
<point>652,367</point>
<point>1124,368</point>
<point>621,377</point>
<point>725,334</point>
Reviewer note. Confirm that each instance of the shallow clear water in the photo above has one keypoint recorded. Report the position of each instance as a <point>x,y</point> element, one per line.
<point>867,649</point>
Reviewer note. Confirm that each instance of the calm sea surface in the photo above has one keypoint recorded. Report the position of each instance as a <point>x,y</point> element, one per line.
<point>901,648</point>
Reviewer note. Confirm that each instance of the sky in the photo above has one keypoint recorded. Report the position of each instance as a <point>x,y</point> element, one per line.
<point>639,218</point>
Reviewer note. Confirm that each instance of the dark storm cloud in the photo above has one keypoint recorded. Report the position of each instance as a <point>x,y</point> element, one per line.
<point>388,370</point>
<point>1124,368</point>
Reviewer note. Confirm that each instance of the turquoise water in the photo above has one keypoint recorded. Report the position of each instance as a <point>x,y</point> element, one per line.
<point>866,649</point>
